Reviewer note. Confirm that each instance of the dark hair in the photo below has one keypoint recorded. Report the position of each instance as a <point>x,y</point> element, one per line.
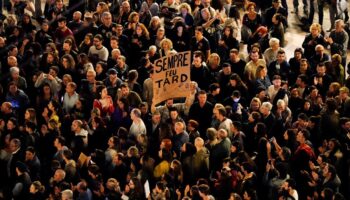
<point>99,37</point>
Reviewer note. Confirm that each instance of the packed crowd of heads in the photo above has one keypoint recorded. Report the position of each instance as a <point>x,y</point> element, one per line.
<point>78,120</point>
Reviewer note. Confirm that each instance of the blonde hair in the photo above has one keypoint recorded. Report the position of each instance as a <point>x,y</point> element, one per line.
<point>186,6</point>
<point>166,41</point>
<point>211,58</point>
<point>316,25</point>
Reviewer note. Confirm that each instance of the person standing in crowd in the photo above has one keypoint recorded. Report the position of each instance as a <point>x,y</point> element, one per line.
<point>291,142</point>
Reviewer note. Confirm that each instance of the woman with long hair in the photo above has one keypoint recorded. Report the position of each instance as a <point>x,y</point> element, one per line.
<point>262,79</point>
<point>103,101</point>
<point>227,42</point>
<point>236,83</point>
<point>121,114</point>
<point>86,43</point>
<point>67,66</point>
<point>134,189</point>
<point>181,37</point>
<point>139,42</point>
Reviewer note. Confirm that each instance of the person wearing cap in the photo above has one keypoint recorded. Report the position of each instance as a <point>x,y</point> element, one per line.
<point>23,182</point>
<point>112,82</point>
<point>62,31</point>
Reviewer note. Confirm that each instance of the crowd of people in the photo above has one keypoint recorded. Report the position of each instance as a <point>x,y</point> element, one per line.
<point>77,119</point>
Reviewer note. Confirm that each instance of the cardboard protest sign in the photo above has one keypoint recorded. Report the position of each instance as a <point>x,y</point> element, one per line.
<point>171,76</point>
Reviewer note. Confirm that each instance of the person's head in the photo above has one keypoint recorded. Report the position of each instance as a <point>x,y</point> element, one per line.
<point>67,195</point>
<point>277,81</point>
<point>30,153</point>
<point>298,53</point>
<point>204,190</point>
<point>339,25</point>
<point>62,23</point>
<point>276,3</point>
<point>71,87</point>
<point>185,8</point>
<point>343,92</point>
<point>98,39</point>
<point>124,88</point>
<point>281,56</point>
<point>156,117</point>
<point>179,127</point>
<point>197,58</point>
<point>59,175</point>
<point>302,136</point>
<point>77,16</point>
<point>121,61</point>
<point>250,7</point>
<point>214,59</point>
<point>214,89</point>
<point>77,125</point>
<point>59,142</point>
<point>133,17</point>
<point>199,32</point>
<point>336,60</point>
<point>219,111</point>
<point>234,54</point>
<point>321,69</point>
<point>35,187</point>
<point>265,108</point>
<point>67,45</point>
<point>13,88</point>
<point>135,114</point>
<point>277,18</point>
<point>226,69</point>
<point>166,44</point>
<point>90,75</point>
<point>54,70</point>
<point>254,56</point>
<point>261,72</point>
<point>12,61</point>
<point>202,97</point>
<point>211,134</point>
<point>222,134</point>
<point>329,171</point>
<point>126,6</point>
<point>205,13</point>
<point>319,49</point>
<point>315,29</point>
<point>274,43</point>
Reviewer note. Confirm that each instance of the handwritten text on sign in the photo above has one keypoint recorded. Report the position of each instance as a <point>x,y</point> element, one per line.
<point>171,76</point>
